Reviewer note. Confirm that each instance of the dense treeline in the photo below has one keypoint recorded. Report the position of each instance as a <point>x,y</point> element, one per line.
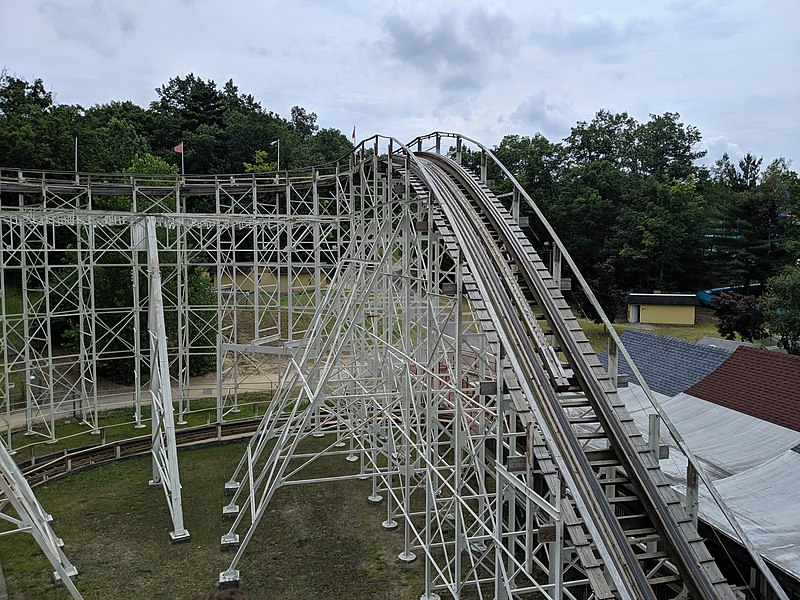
<point>629,199</point>
<point>222,129</point>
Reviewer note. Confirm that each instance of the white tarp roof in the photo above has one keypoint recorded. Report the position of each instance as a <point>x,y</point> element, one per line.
<point>766,503</point>
<point>752,462</point>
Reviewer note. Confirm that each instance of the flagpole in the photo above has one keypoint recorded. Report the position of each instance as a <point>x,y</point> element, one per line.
<point>183,171</point>
<point>279,154</point>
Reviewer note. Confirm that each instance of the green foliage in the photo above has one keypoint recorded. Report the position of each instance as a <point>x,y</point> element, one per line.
<point>304,122</point>
<point>110,148</point>
<point>34,131</point>
<point>152,165</point>
<point>329,145</point>
<point>260,164</point>
<point>618,191</point>
<point>221,129</point>
<point>780,306</point>
<point>666,148</point>
<point>755,225</point>
<point>603,284</point>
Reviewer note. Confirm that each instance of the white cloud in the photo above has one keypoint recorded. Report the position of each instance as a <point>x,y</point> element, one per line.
<point>539,113</point>
<point>98,25</point>
<point>484,68</point>
<point>719,145</point>
<point>453,45</point>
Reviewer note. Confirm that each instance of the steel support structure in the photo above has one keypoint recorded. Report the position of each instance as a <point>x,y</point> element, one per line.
<point>31,518</point>
<point>267,246</point>
<point>164,449</point>
<point>400,359</point>
<point>393,373</point>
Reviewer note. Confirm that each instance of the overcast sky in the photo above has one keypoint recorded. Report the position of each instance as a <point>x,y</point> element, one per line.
<point>482,68</point>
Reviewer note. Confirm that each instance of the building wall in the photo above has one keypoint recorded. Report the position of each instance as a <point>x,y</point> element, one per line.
<point>664,314</point>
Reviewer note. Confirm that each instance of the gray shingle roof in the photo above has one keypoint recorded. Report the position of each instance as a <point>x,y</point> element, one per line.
<point>670,366</point>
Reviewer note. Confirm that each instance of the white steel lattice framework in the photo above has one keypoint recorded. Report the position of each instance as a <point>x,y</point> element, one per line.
<point>31,518</point>
<point>395,362</point>
<point>267,245</point>
<point>390,372</point>
<point>263,246</point>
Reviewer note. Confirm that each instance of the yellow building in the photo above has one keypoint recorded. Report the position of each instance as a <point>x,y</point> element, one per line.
<point>662,309</point>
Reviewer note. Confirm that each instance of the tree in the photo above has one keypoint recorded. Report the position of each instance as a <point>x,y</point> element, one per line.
<point>204,150</point>
<point>304,122</point>
<point>152,165</point>
<point>780,189</point>
<point>780,306</point>
<point>329,145</point>
<point>110,148</point>
<point>739,314</point>
<point>661,241</point>
<point>666,148</point>
<point>260,163</point>
<point>754,233</point>
<point>35,133</point>
<point>247,132</point>
<point>629,196</point>
<point>537,165</point>
<point>188,102</point>
<point>192,110</point>
<point>100,115</point>
<point>610,297</point>
<point>607,137</point>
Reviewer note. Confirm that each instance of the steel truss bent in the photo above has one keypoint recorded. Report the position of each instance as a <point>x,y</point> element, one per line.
<point>32,518</point>
<point>428,347</point>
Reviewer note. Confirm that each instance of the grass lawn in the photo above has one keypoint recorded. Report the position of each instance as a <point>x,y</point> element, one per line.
<point>118,424</point>
<point>315,541</point>
<point>705,326</point>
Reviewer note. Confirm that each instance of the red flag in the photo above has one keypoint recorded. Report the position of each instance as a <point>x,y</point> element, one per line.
<point>354,134</point>
<point>178,148</point>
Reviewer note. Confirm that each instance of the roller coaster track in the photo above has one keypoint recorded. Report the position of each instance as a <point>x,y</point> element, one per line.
<point>628,512</point>
<point>623,531</point>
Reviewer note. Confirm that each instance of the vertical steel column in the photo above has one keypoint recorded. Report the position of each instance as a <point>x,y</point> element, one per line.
<point>458,476</point>
<point>29,400</point>
<point>220,309</point>
<point>164,449</point>
<point>430,447</point>
<point>47,245</point>
<point>289,264</point>
<point>138,244</point>
<point>613,361</point>
<point>499,583</point>
<point>184,320</point>
<point>6,388</point>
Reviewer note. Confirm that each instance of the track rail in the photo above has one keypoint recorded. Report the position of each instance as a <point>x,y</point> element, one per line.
<point>602,439</point>
<point>55,466</point>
